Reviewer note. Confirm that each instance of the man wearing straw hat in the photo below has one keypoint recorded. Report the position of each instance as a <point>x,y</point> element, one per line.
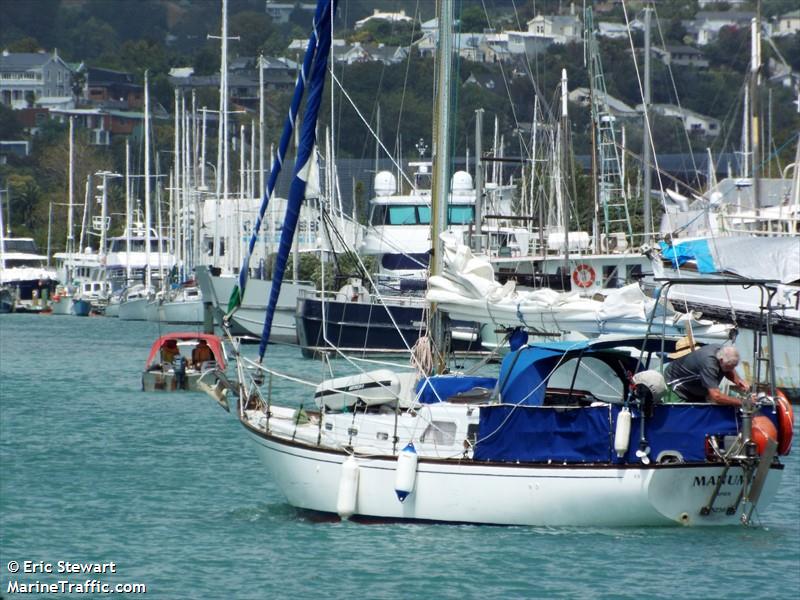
<point>695,373</point>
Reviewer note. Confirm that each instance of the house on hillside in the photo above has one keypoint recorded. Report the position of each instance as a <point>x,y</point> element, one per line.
<point>106,87</point>
<point>28,77</point>
<point>683,56</point>
<point>379,15</point>
<point>706,25</point>
<point>617,107</point>
<point>558,29</point>
<point>731,3</point>
<point>788,24</point>
<point>693,122</point>
<point>544,30</point>
<point>280,12</point>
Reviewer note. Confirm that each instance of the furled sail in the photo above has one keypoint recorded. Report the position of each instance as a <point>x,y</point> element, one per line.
<point>305,153</point>
<point>318,42</point>
<point>468,291</point>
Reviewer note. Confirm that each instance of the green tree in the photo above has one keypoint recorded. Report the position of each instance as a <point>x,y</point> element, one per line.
<point>10,126</point>
<point>26,44</point>
<point>473,20</point>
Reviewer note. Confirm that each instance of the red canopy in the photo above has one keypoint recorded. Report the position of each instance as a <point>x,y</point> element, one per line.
<point>214,342</point>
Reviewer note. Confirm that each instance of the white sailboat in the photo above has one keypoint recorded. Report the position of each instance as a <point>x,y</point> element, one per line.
<point>563,435</point>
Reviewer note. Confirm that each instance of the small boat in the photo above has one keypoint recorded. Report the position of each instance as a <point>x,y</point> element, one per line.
<point>181,372</point>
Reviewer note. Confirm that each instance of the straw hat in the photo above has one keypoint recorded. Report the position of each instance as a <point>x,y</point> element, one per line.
<point>683,347</point>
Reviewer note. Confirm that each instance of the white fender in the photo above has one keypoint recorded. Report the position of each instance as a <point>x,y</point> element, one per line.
<point>406,472</point>
<point>622,435</point>
<point>348,488</point>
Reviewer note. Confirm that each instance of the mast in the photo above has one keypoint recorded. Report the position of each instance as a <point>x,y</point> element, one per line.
<point>175,177</point>
<point>563,160</point>
<point>441,151</point>
<point>127,213</point>
<point>478,179</point>
<point>147,215</point>
<point>755,128</point>
<point>70,236</point>
<point>261,188</point>
<point>647,183</point>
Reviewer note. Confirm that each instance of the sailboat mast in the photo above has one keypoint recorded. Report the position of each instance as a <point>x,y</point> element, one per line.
<point>127,213</point>
<point>441,149</point>
<point>147,215</point>
<point>755,127</point>
<point>647,179</point>
<point>261,188</point>
<point>175,177</point>
<point>564,152</point>
<point>441,152</point>
<point>478,180</point>
<point>70,236</point>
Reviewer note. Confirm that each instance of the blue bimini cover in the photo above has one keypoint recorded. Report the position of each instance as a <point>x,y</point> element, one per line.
<point>442,387</point>
<point>523,372</point>
<point>539,434</point>
<point>698,250</point>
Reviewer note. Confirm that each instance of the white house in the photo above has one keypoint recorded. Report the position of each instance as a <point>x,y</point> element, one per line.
<point>280,12</point>
<point>618,108</point>
<point>706,25</point>
<point>558,29</point>
<point>692,122</point>
<point>732,3</point>
<point>684,56</point>
<point>379,15</point>
<point>787,24</point>
<point>544,30</point>
<point>34,75</point>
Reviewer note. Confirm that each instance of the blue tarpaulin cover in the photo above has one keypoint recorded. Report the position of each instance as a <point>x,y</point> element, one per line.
<point>586,435</point>
<point>450,385</point>
<point>539,434</point>
<point>681,428</point>
<point>698,250</point>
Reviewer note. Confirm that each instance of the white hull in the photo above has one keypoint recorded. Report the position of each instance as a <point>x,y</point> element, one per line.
<point>509,494</point>
<point>249,317</point>
<point>112,309</point>
<point>188,313</point>
<point>153,311</point>
<point>133,310</point>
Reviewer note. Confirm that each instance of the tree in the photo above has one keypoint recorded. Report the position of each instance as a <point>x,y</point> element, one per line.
<point>473,20</point>
<point>253,28</point>
<point>26,44</point>
<point>10,126</point>
<point>77,83</point>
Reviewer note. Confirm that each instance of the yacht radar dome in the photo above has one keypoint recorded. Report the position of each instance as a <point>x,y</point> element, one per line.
<point>462,182</point>
<point>385,184</point>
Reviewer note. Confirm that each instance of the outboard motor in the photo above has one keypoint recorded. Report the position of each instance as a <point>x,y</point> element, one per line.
<point>179,368</point>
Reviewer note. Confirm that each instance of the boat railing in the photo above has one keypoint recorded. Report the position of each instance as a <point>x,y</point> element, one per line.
<point>768,289</point>
<point>362,297</point>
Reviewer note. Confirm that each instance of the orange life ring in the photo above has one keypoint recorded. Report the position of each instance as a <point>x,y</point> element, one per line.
<point>785,423</point>
<point>583,276</point>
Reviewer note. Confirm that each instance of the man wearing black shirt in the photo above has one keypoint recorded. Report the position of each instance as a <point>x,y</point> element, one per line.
<point>695,377</point>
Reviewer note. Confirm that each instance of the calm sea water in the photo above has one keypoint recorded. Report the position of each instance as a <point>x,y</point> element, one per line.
<point>93,469</point>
